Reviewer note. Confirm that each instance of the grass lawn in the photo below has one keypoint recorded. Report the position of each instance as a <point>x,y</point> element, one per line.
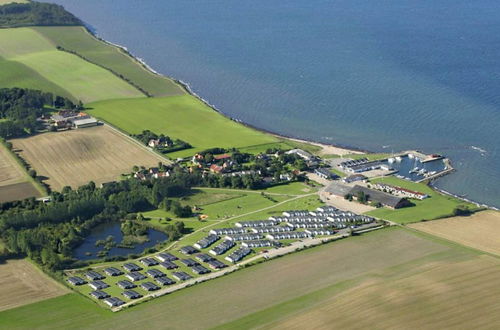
<point>394,259</point>
<point>370,156</point>
<point>81,79</point>
<point>436,206</point>
<point>79,40</point>
<point>183,117</point>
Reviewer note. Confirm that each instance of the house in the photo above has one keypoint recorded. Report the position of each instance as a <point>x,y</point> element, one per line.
<point>168,265</point>
<point>222,157</point>
<point>300,213</point>
<point>288,235</point>
<point>320,232</point>
<point>243,237</point>
<point>135,276</point>
<point>131,294</point>
<point>188,250</point>
<point>112,271</point>
<point>202,257</point>
<point>214,168</point>
<point>257,243</point>
<point>225,231</point>
<point>148,286</point>
<point>126,284</point>
<point>189,262</point>
<point>216,264</point>
<point>206,241</point>
<point>258,223</point>
<point>325,174</point>
<point>238,255</point>
<point>301,153</point>
<point>83,123</point>
<point>75,280</point>
<point>149,262</point>
<point>113,302</point>
<point>265,230</point>
<point>181,276</point>
<point>200,270</point>
<point>222,247</point>
<point>131,267</point>
<point>164,281</point>
<point>391,201</point>
<point>155,273</point>
<point>354,178</point>
<point>92,275</point>
<point>165,256</point>
<point>98,285</point>
<point>99,295</point>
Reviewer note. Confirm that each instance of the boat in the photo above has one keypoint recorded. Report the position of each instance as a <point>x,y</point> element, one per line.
<point>414,170</point>
<point>398,159</point>
<point>411,156</point>
<point>391,160</point>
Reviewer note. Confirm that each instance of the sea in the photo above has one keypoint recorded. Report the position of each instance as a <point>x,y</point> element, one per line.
<point>383,76</point>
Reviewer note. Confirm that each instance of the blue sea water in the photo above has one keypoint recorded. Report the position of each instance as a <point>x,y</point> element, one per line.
<point>378,75</point>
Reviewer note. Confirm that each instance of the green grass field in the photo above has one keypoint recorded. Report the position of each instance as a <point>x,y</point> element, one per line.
<point>183,117</point>
<point>325,273</point>
<point>436,206</point>
<point>80,79</point>
<point>4,2</point>
<point>79,40</point>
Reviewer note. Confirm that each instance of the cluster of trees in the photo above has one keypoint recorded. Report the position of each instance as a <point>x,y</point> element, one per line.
<point>35,13</point>
<point>166,145</point>
<point>133,228</point>
<point>176,208</point>
<point>48,233</point>
<point>247,181</point>
<point>19,109</point>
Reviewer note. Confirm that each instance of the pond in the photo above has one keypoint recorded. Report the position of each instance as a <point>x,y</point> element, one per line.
<point>88,250</point>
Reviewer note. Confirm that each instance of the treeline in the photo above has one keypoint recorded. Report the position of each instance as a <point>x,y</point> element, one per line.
<point>20,108</point>
<point>48,233</point>
<point>119,75</point>
<point>35,13</point>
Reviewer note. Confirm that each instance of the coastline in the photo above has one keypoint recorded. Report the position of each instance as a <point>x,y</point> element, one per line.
<point>327,148</point>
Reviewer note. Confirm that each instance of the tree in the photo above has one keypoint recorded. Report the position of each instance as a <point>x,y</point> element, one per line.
<point>32,173</point>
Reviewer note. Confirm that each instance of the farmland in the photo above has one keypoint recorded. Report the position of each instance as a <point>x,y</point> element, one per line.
<point>76,157</point>
<point>181,117</point>
<point>325,274</point>
<point>3,2</point>
<point>79,40</point>
<point>81,79</point>
<point>437,205</point>
<point>479,231</point>
<point>14,181</point>
<point>22,283</point>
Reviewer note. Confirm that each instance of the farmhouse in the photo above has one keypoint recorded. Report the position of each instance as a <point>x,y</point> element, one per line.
<point>148,286</point>
<point>200,270</point>
<point>225,231</point>
<point>238,254</point>
<point>168,265</point>
<point>257,243</point>
<point>91,275</point>
<point>131,267</point>
<point>155,273</point>
<point>165,256</point>
<point>216,264</point>
<point>131,294</point>
<point>164,281</point>
<point>181,276</point>
<point>126,285</point>
<point>206,241</point>
<point>149,262</point>
<point>222,247</point>
<point>188,250</point>
<point>75,280</point>
<point>113,302</point>
<point>98,285</point>
<point>112,271</point>
<point>83,123</point>
<point>325,174</point>
<point>99,295</point>
<point>135,276</point>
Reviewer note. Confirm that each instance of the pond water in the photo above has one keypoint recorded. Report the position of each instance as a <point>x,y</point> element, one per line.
<point>88,250</point>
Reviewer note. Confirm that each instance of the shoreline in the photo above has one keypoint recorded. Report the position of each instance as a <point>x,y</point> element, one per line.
<point>327,148</point>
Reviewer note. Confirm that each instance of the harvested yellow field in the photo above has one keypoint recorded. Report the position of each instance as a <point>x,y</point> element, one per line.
<point>10,171</point>
<point>438,295</point>
<point>21,283</point>
<point>75,157</point>
<point>480,231</point>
